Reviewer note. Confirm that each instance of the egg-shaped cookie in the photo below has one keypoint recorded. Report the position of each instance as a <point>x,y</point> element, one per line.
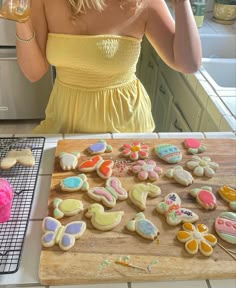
<point>168,153</point>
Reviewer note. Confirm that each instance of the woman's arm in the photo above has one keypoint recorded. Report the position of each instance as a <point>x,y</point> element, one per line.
<point>32,55</point>
<point>178,43</point>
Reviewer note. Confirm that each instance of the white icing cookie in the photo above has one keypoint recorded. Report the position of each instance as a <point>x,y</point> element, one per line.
<point>180,175</point>
<point>69,161</point>
<point>202,166</point>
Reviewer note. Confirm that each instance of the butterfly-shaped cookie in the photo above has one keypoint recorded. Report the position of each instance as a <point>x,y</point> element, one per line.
<point>64,236</point>
<point>108,195</point>
<point>96,163</point>
<point>175,214</point>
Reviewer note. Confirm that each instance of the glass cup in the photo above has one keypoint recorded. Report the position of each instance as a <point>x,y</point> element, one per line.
<point>16,10</point>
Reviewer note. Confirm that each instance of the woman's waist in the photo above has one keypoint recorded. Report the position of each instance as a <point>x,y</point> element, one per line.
<point>93,81</point>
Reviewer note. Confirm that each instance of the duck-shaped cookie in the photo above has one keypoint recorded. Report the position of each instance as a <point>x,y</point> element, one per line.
<point>102,220</point>
<point>143,227</point>
<point>229,195</point>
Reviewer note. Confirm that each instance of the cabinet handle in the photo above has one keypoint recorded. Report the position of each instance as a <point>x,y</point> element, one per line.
<point>177,127</point>
<point>150,65</point>
<point>162,90</point>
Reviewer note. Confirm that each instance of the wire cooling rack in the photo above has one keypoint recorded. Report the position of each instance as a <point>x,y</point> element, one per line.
<point>23,179</point>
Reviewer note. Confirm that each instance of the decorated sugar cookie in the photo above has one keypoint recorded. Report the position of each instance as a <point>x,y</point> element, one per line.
<point>69,161</point>
<point>96,163</point>
<point>204,197</point>
<point>174,212</point>
<point>75,183</point>
<point>90,165</point>
<point>68,207</point>
<point>104,168</point>
<point>99,147</point>
<point>169,153</point>
<point>194,146</point>
<point>202,166</point>
<point>180,175</point>
<point>147,170</point>
<point>197,238</point>
<point>102,220</point>
<point>139,193</point>
<point>225,226</point>
<point>229,195</point>
<point>23,157</point>
<point>143,227</point>
<point>112,191</point>
<point>64,236</point>
<point>135,151</point>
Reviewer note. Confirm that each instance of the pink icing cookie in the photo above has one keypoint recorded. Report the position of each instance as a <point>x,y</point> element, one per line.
<point>147,170</point>
<point>112,191</point>
<point>204,197</point>
<point>6,196</point>
<point>135,151</point>
<point>225,226</point>
<point>194,146</point>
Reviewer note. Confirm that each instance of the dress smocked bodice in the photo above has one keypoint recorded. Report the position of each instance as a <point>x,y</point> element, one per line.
<point>93,61</point>
<point>96,89</point>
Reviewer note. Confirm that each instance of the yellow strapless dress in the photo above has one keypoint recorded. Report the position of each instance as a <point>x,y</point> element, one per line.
<point>96,90</point>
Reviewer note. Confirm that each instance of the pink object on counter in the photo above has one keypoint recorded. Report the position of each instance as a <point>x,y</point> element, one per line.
<point>6,196</point>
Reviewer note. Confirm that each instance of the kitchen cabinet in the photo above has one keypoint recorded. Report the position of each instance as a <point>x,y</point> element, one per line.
<point>176,106</point>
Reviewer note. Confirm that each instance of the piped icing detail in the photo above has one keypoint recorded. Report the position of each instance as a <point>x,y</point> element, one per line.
<point>197,238</point>
<point>174,212</point>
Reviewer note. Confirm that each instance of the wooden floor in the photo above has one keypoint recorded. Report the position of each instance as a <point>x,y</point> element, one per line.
<point>17,126</point>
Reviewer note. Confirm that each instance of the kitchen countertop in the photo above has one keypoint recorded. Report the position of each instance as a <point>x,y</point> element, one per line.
<point>27,275</point>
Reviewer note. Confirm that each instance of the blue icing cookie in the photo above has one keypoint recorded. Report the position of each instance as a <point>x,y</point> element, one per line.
<point>169,153</point>
<point>99,147</point>
<point>75,183</point>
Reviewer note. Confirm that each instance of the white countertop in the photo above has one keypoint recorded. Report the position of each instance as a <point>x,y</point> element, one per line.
<point>27,275</point>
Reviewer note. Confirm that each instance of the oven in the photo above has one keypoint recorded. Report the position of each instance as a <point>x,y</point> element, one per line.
<point>19,98</point>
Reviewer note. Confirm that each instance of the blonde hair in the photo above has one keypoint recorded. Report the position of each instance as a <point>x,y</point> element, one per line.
<point>80,6</point>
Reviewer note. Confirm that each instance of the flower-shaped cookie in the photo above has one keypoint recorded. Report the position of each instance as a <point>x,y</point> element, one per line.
<point>202,166</point>
<point>197,238</point>
<point>194,146</point>
<point>135,151</point>
<point>147,170</point>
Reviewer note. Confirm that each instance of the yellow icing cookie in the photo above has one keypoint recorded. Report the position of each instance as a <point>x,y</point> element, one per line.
<point>102,220</point>
<point>68,207</point>
<point>197,238</point>
<point>139,193</point>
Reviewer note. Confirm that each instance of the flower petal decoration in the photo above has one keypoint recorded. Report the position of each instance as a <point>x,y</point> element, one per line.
<point>202,166</point>
<point>135,151</point>
<point>147,170</point>
<point>197,238</point>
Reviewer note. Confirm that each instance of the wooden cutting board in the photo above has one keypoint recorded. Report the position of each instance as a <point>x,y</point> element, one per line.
<point>92,259</point>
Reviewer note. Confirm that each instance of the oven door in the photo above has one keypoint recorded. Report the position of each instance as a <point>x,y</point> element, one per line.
<point>7,33</point>
<point>19,98</point>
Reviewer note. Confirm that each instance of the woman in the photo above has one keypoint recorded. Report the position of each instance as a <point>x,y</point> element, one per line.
<point>95,45</point>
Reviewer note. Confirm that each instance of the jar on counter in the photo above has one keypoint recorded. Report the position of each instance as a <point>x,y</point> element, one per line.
<point>198,8</point>
<point>17,10</point>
